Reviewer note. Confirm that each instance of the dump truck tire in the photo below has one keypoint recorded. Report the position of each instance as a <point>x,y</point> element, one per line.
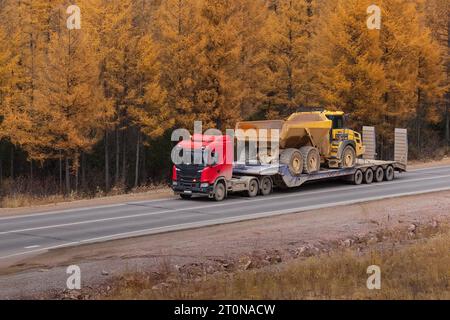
<point>348,158</point>
<point>185,196</point>
<point>311,159</point>
<point>293,159</point>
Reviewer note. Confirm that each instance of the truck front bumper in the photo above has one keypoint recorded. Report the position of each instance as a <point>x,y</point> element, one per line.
<point>197,188</point>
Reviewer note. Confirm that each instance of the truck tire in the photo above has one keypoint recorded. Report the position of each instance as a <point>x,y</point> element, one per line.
<point>266,186</point>
<point>368,176</point>
<point>389,173</point>
<point>253,188</point>
<point>220,192</point>
<point>348,157</point>
<point>185,196</point>
<point>293,159</point>
<point>379,174</point>
<point>311,159</point>
<point>358,177</point>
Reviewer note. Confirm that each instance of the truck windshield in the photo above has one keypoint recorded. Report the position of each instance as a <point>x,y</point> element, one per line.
<point>199,157</point>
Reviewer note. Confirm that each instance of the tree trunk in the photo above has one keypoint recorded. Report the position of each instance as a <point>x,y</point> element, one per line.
<point>83,171</point>
<point>60,174</point>
<point>11,172</point>
<point>1,173</point>
<point>67,176</point>
<point>116,177</point>
<point>107,186</point>
<point>138,150</point>
<point>124,159</point>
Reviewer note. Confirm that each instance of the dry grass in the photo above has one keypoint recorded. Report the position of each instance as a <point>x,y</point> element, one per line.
<point>418,269</point>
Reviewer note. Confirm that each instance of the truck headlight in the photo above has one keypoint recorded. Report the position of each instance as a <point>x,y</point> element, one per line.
<point>204,185</point>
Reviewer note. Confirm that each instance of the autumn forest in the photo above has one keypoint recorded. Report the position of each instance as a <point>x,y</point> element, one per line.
<point>90,111</point>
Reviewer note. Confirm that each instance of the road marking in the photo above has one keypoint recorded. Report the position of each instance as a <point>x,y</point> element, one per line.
<point>207,223</point>
<point>32,247</point>
<point>214,206</point>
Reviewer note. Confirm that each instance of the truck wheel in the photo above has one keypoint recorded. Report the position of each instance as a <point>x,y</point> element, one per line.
<point>311,159</point>
<point>185,196</point>
<point>293,159</point>
<point>379,174</point>
<point>348,158</point>
<point>358,177</point>
<point>389,173</point>
<point>266,186</point>
<point>368,176</point>
<point>253,188</point>
<point>219,192</point>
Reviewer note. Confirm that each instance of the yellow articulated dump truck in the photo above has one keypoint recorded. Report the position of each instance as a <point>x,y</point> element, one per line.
<point>311,140</point>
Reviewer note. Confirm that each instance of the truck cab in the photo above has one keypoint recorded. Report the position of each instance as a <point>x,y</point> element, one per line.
<point>206,166</point>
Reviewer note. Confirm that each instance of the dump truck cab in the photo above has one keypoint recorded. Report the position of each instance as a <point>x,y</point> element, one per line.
<point>341,138</point>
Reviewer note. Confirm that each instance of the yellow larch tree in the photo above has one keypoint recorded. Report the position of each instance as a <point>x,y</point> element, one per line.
<point>289,31</point>
<point>70,97</point>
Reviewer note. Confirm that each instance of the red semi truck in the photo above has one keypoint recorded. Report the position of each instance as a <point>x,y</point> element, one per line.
<point>217,176</point>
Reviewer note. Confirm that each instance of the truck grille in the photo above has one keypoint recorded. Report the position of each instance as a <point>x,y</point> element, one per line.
<point>186,176</point>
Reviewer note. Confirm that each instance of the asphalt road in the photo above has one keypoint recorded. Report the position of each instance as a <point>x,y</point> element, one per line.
<point>31,234</point>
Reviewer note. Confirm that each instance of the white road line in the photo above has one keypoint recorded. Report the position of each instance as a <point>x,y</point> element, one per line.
<point>299,195</point>
<point>32,247</point>
<point>193,225</point>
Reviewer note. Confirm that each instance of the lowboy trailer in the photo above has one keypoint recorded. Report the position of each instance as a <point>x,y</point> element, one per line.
<point>218,180</point>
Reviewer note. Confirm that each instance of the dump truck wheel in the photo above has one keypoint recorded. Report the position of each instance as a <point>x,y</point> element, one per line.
<point>348,158</point>
<point>358,177</point>
<point>311,159</point>
<point>294,160</point>
<point>389,173</point>
<point>185,196</point>
<point>368,176</point>
<point>253,188</point>
<point>379,174</point>
<point>266,186</point>
<point>219,192</point>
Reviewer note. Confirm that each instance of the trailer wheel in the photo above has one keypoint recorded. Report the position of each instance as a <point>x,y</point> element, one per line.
<point>358,177</point>
<point>219,192</point>
<point>311,159</point>
<point>253,188</point>
<point>293,159</point>
<point>379,174</point>
<point>266,186</point>
<point>185,196</point>
<point>389,173</point>
<point>368,176</point>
